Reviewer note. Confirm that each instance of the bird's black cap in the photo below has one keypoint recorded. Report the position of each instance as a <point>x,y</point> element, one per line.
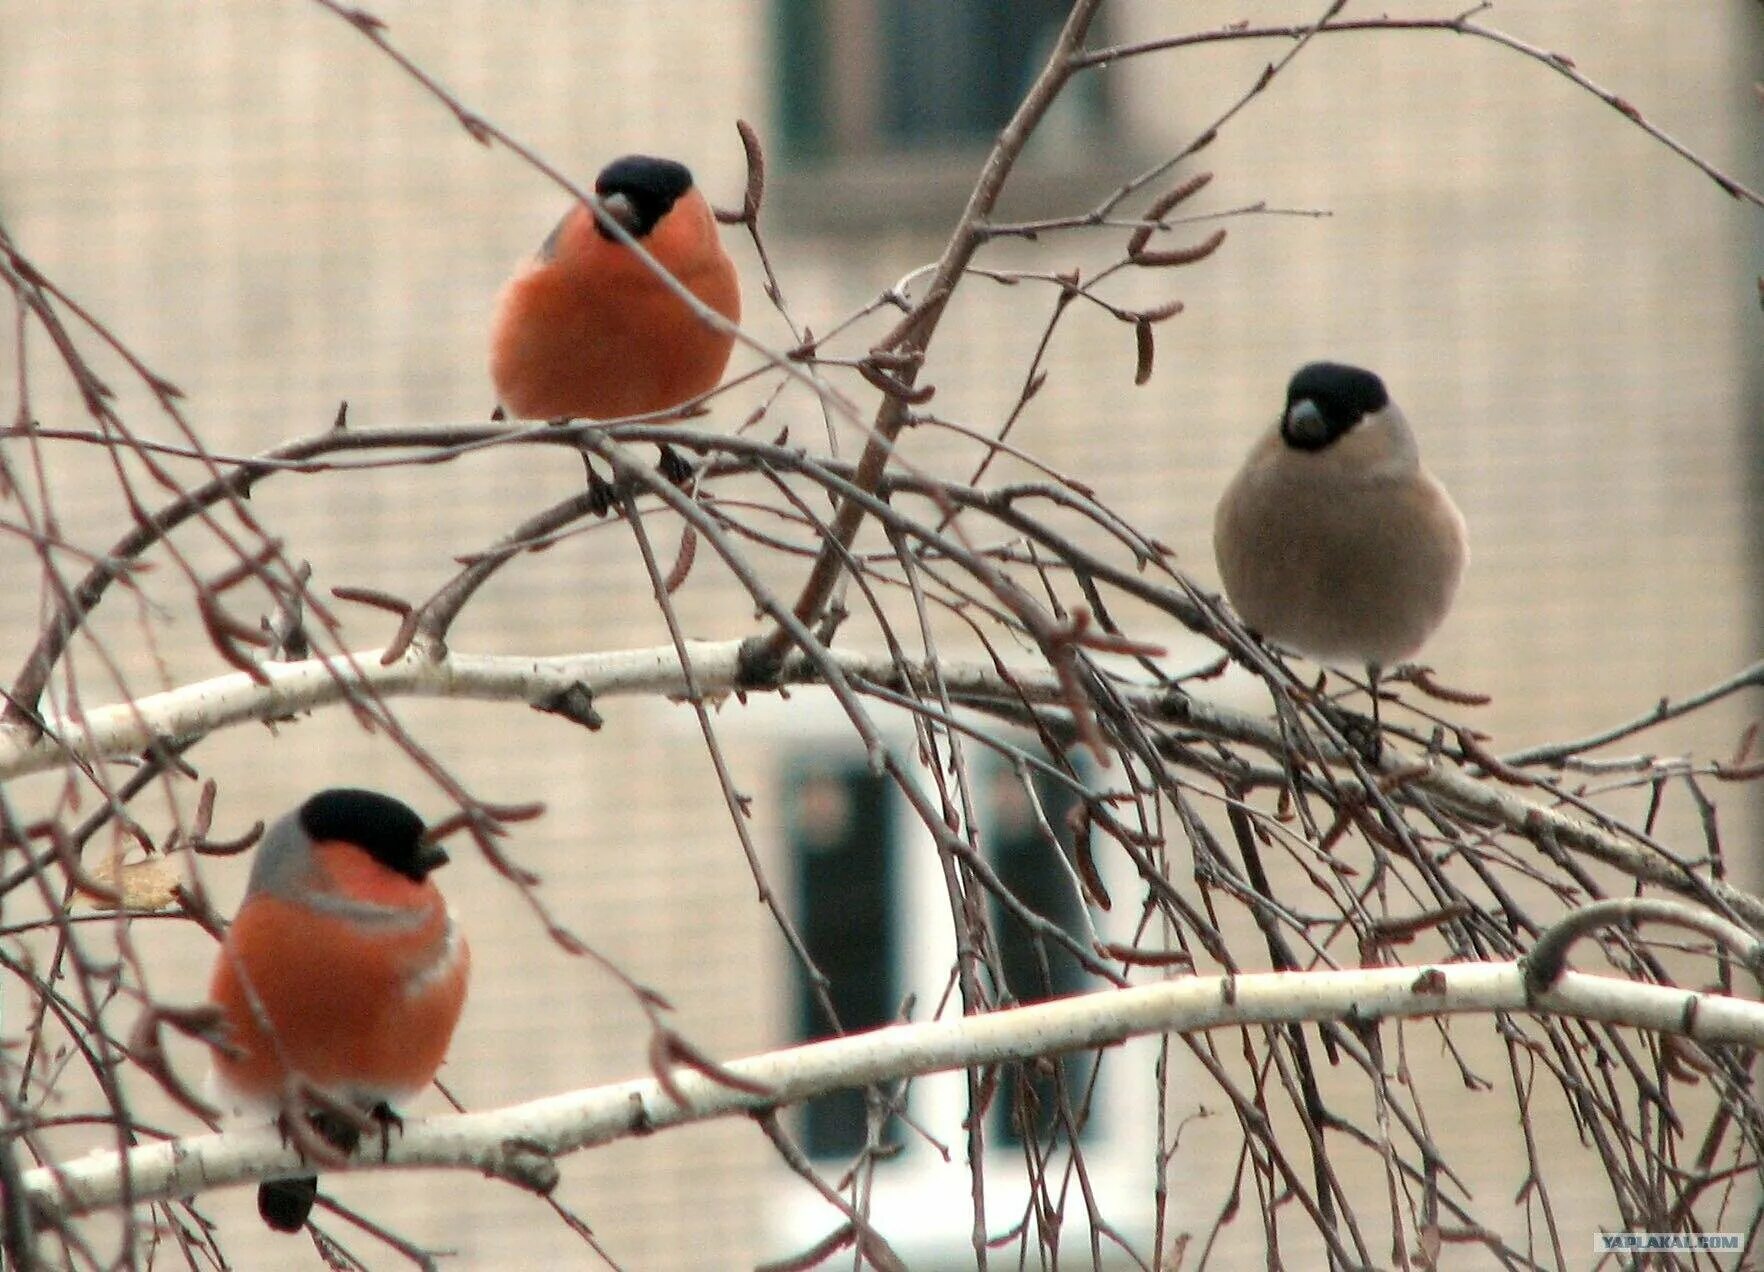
<point>652,186</point>
<point>1340,396</point>
<point>388,831</point>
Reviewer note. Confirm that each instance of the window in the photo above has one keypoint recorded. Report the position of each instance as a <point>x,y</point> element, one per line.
<point>848,906</point>
<point>859,76</point>
<point>1035,969</point>
<point>870,903</point>
<point>913,83</point>
<point>843,843</point>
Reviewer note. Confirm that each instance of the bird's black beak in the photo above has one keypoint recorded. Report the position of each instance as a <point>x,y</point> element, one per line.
<point>620,208</point>
<point>1304,426</point>
<point>430,857</point>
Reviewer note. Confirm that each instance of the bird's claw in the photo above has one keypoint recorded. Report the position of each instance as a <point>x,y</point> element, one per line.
<point>1362,733</point>
<point>601,494</point>
<point>674,466</point>
<point>387,1118</point>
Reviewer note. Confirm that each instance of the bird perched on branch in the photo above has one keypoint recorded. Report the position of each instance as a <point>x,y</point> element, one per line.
<point>343,971</point>
<point>587,330</point>
<point>1333,539</point>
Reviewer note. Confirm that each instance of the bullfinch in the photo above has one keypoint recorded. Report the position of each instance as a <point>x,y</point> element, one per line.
<point>343,969</point>
<point>1333,539</point>
<point>585,329</point>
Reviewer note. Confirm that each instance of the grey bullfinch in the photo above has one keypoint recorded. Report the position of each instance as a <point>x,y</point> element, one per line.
<point>1333,539</point>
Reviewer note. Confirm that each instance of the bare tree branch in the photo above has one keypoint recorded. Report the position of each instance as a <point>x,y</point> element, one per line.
<point>517,1142</point>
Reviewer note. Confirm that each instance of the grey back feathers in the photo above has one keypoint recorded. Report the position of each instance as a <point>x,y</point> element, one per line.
<point>282,859</point>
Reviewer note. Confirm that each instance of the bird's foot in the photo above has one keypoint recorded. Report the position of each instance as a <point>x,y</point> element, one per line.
<point>384,1114</point>
<point>1362,733</point>
<point>601,493</point>
<point>337,1128</point>
<point>675,466</point>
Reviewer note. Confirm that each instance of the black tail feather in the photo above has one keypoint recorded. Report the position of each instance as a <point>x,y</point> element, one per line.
<point>286,1203</point>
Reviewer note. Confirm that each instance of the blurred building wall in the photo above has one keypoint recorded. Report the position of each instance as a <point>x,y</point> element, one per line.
<point>276,219</point>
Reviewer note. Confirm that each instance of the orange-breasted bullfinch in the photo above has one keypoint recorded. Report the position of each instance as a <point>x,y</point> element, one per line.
<point>1333,539</point>
<point>585,329</point>
<point>343,969</point>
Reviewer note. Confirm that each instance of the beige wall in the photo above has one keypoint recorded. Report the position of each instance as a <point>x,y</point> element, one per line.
<point>277,220</point>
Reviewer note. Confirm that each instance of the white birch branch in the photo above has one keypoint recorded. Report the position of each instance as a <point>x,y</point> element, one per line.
<point>130,727</point>
<point>518,1142</point>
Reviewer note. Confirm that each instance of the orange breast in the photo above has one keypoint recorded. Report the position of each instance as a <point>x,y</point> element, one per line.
<point>362,1010</point>
<point>591,333</point>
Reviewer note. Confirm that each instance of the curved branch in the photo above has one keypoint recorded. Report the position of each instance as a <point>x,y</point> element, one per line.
<point>514,1143</point>
<point>1549,956</point>
<point>1556,753</point>
<point>1460,24</point>
<point>718,668</point>
<point>33,676</point>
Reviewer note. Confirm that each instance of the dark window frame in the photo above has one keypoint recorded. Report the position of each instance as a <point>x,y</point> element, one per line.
<point>865,142</point>
<point>849,893</point>
<point>845,849</point>
<point>1034,969</point>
